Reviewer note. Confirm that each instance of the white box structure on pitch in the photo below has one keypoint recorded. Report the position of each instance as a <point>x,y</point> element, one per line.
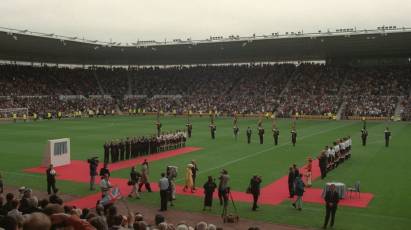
<point>57,152</point>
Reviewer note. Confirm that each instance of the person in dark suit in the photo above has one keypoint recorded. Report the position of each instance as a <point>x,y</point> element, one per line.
<point>387,135</point>
<point>121,147</point>
<point>364,135</point>
<point>51,179</point>
<point>293,136</point>
<point>255,190</point>
<point>276,133</point>
<point>128,148</point>
<point>322,163</point>
<point>106,152</point>
<point>213,128</point>
<point>291,178</point>
<point>194,170</point>
<point>249,132</point>
<point>331,202</point>
<point>209,188</point>
<point>261,134</point>
<point>112,151</point>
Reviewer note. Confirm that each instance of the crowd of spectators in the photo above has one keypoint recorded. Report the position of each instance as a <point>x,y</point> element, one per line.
<point>307,89</point>
<point>24,211</point>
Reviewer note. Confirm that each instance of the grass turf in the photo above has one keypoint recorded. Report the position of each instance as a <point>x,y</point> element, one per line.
<point>382,171</point>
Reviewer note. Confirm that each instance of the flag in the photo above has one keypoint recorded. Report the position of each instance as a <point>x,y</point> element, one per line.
<point>113,195</point>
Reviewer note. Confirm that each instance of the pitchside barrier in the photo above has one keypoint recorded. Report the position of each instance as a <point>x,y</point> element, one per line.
<point>57,152</point>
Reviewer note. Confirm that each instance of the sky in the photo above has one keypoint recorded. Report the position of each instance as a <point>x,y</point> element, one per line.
<point>132,20</point>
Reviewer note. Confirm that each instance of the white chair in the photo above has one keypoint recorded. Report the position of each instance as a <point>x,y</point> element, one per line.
<point>355,189</point>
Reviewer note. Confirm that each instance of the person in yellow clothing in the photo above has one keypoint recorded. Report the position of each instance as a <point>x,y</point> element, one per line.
<point>189,178</point>
<point>59,115</point>
<point>49,116</point>
<point>35,116</point>
<point>14,117</point>
<point>24,117</point>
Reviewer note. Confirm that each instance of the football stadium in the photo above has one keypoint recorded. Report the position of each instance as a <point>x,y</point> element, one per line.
<point>276,131</point>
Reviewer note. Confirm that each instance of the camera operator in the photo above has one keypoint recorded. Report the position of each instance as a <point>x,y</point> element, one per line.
<point>224,189</point>
<point>93,164</point>
<point>254,189</point>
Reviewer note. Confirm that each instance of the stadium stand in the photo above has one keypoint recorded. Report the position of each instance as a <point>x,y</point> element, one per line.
<point>307,89</point>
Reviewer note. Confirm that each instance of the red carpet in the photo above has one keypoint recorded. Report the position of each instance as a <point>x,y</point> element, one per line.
<point>273,194</point>
<point>78,171</point>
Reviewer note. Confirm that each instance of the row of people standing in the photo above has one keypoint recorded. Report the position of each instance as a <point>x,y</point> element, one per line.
<point>335,154</point>
<point>119,150</point>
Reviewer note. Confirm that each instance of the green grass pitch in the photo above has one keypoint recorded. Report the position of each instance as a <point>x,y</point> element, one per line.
<point>382,171</point>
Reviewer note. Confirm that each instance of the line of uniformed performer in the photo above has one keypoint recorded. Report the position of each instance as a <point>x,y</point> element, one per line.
<point>260,131</point>
<point>124,149</point>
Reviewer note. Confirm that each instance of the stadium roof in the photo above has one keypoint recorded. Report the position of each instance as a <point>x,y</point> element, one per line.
<point>17,45</point>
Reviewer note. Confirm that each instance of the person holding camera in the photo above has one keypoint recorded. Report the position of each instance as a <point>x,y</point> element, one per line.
<point>93,164</point>
<point>134,180</point>
<point>254,189</point>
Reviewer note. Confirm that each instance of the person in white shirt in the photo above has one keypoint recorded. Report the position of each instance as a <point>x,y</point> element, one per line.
<point>163,184</point>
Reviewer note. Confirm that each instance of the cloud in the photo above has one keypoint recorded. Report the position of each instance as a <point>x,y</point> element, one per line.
<point>129,20</point>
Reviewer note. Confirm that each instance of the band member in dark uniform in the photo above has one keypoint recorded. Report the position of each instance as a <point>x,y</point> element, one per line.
<point>121,147</point>
<point>236,130</point>
<point>261,134</point>
<point>364,135</point>
<point>249,132</point>
<point>158,126</point>
<point>213,128</point>
<point>293,136</point>
<point>51,180</point>
<point>322,161</point>
<point>112,151</point>
<point>387,134</point>
<point>331,202</point>
<point>189,129</point>
<point>128,149</point>
<point>106,152</point>
<point>255,190</point>
<point>116,151</point>
<point>276,133</point>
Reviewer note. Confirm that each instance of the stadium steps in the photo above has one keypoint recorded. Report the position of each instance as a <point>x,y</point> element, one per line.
<point>100,88</point>
<point>129,83</point>
<point>341,110</point>
<point>399,108</point>
<point>293,75</point>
